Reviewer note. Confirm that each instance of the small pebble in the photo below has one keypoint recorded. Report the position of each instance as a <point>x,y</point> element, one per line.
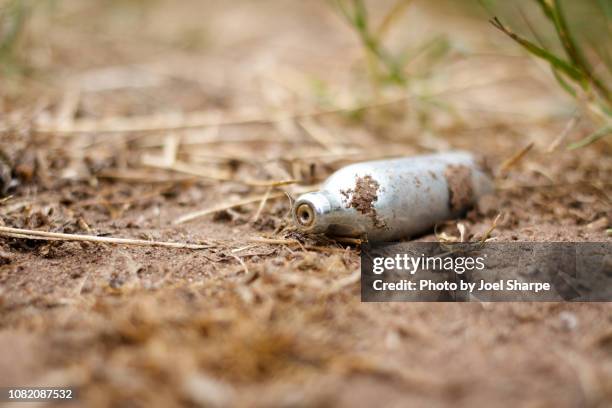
<point>568,320</point>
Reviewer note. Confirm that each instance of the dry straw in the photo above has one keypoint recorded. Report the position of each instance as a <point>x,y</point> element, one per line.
<point>58,236</point>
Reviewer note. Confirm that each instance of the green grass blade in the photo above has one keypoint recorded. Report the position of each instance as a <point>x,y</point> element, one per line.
<point>357,17</point>
<point>343,10</point>
<point>592,138</point>
<point>567,87</point>
<point>574,51</point>
<point>12,16</point>
<point>546,9</point>
<point>361,15</point>
<point>432,50</point>
<point>539,52</point>
<point>392,17</point>
<point>606,7</point>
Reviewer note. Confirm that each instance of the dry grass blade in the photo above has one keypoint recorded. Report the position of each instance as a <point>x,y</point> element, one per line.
<point>25,236</point>
<point>262,204</point>
<point>462,232</point>
<point>320,136</point>
<point>207,173</point>
<point>150,123</point>
<point>244,266</point>
<point>55,236</point>
<point>512,161</point>
<point>294,242</point>
<point>226,206</point>
<point>195,120</point>
<point>140,176</point>
<point>244,248</point>
<point>348,240</point>
<point>487,234</point>
<point>592,138</point>
<point>275,241</point>
<point>571,125</point>
<point>126,201</point>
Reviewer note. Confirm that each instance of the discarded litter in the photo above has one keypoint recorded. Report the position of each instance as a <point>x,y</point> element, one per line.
<point>391,199</point>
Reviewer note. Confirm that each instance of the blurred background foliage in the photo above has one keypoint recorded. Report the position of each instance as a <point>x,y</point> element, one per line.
<point>572,37</point>
<point>13,17</point>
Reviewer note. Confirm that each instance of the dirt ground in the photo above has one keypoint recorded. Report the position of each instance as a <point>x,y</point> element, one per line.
<point>137,118</point>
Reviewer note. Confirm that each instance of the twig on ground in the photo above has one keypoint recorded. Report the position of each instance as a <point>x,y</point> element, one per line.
<point>25,236</point>
<point>139,176</point>
<point>207,173</point>
<point>262,204</point>
<point>131,200</point>
<point>158,123</point>
<point>225,206</point>
<point>348,240</point>
<point>512,161</point>
<point>244,248</point>
<point>170,149</point>
<point>487,234</point>
<point>321,136</point>
<point>462,231</point>
<point>275,241</point>
<point>294,242</point>
<point>513,186</point>
<point>246,269</point>
<point>571,125</point>
<point>55,236</point>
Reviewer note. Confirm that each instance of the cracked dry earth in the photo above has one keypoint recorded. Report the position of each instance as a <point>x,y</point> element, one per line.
<point>253,323</point>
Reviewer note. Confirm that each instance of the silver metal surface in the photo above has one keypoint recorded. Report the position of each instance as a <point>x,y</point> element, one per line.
<point>391,199</point>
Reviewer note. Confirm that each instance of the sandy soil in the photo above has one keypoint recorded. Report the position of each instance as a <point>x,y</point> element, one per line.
<point>250,323</point>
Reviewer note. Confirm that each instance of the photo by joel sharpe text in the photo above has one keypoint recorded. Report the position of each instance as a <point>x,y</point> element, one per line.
<point>471,287</point>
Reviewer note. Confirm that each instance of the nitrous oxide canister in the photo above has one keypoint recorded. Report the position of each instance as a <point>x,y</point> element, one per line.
<point>391,199</point>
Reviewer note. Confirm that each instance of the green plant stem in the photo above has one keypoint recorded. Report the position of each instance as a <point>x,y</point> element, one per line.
<point>555,61</point>
<point>358,19</point>
<point>574,52</point>
<point>592,138</point>
<point>12,16</point>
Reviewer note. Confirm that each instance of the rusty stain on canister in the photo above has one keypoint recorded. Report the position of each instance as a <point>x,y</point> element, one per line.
<point>461,193</point>
<point>362,198</point>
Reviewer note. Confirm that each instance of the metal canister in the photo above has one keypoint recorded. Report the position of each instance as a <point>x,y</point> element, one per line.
<point>390,199</point>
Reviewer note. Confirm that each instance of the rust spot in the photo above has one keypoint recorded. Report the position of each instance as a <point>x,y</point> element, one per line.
<point>484,165</point>
<point>460,189</point>
<point>363,197</point>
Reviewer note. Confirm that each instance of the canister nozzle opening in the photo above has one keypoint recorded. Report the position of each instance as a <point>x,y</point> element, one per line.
<point>311,212</point>
<point>305,215</point>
